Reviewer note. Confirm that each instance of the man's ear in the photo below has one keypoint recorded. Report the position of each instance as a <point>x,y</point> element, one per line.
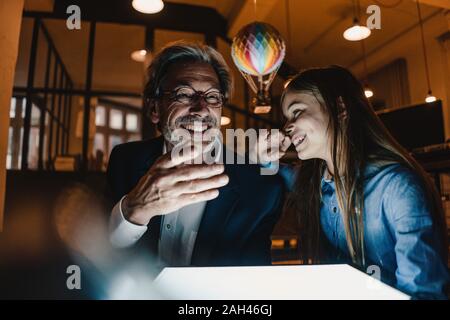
<point>154,113</point>
<point>342,108</point>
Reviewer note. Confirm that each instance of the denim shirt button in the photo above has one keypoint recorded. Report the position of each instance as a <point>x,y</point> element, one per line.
<point>334,209</point>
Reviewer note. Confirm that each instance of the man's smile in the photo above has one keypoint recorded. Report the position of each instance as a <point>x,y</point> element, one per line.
<point>196,127</point>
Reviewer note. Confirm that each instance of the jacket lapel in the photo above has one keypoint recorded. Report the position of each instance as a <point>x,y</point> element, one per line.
<point>154,151</point>
<point>214,219</point>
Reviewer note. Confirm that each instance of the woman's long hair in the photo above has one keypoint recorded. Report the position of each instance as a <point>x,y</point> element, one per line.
<point>356,139</point>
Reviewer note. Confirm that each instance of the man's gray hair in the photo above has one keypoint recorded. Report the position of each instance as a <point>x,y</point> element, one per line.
<point>181,51</point>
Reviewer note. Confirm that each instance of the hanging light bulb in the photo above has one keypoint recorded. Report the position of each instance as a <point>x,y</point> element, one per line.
<point>224,121</point>
<point>148,6</point>
<point>430,98</point>
<point>368,92</point>
<point>139,55</point>
<point>357,32</point>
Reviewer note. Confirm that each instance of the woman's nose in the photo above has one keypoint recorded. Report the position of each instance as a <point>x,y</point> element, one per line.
<point>288,129</point>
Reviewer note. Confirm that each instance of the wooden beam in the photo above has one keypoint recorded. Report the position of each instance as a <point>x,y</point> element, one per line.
<point>174,16</point>
<point>39,5</point>
<point>436,3</point>
<point>10,22</point>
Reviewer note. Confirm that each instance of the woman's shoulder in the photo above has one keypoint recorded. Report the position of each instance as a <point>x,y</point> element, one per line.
<point>391,173</point>
<point>402,191</point>
<point>394,181</point>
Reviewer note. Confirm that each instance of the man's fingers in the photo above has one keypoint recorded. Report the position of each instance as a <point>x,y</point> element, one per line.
<point>187,199</point>
<point>275,147</point>
<point>178,155</point>
<point>275,155</point>
<point>272,141</point>
<point>169,177</point>
<point>280,138</point>
<point>198,186</point>
<point>285,143</point>
<point>262,139</point>
<point>193,172</point>
<point>272,156</point>
<point>278,143</point>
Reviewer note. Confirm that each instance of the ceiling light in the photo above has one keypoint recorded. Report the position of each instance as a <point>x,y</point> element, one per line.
<point>139,55</point>
<point>368,92</point>
<point>357,32</point>
<point>430,98</point>
<point>148,6</point>
<point>225,121</point>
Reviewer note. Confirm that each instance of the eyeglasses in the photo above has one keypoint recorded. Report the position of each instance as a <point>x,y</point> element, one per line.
<point>188,96</point>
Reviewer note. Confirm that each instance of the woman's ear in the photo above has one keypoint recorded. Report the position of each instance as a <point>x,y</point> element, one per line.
<point>342,108</point>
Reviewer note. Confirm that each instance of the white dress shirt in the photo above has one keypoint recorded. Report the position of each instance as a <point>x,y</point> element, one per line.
<point>178,231</point>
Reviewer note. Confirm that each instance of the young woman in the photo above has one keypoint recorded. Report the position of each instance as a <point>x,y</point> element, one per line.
<point>358,195</point>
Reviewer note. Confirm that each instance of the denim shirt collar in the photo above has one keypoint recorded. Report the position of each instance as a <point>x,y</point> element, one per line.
<point>326,184</point>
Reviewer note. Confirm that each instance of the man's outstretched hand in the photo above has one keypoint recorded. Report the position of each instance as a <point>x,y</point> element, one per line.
<point>170,184</point>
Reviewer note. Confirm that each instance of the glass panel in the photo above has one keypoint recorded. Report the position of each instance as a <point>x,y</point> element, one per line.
<point>14,147</point>
<point>76,126</point>
<point>17,152</point>
<point>114,141</point>
<point>116,119</point>
<point>99,142</point>
<point>132,122</point>
<point>100,116</point>
<point>45,151</point>
<point>8,161</point>
<point>12,109</point>
<point>35,115</point>
<point>33,153</point>
<point>10,140</point>
<point>23,104</point>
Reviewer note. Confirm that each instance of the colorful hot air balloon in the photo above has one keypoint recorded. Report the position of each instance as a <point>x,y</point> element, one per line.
<point>258,50</point>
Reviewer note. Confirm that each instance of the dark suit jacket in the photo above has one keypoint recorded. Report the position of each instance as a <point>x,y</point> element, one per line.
<point>236,226</point>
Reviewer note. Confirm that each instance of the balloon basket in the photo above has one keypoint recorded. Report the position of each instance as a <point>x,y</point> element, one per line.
<point>262,103</point>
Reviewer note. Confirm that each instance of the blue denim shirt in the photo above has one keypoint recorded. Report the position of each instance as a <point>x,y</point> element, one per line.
<point>399,234</point>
